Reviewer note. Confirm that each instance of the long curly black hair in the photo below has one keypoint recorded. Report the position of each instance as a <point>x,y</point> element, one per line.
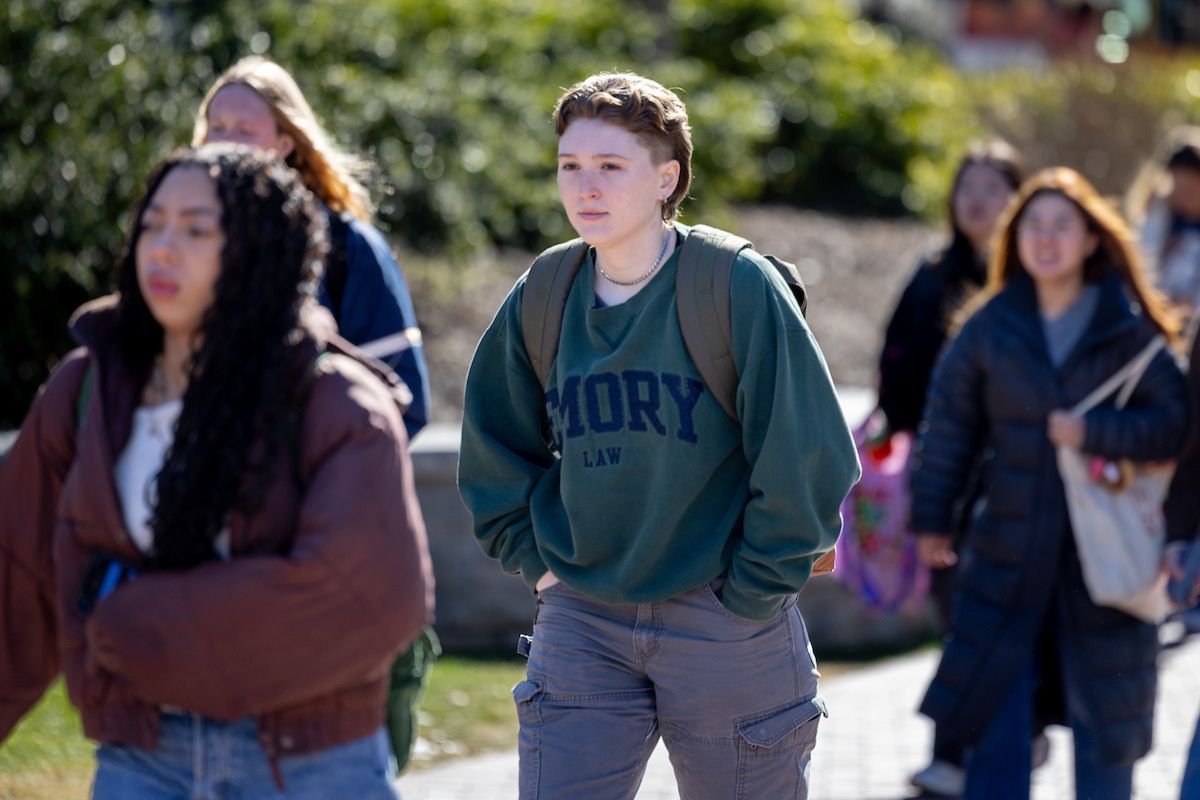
<point>244,376</point>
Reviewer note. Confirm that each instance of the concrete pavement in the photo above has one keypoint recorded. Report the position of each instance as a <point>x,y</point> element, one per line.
<point>873,740</point>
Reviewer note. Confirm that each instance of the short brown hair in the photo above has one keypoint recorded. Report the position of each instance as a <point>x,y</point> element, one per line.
<point>641,106</point>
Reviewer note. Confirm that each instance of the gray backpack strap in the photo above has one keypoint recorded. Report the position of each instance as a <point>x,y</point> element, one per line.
<point>543,299</point>
<point>702,300</point>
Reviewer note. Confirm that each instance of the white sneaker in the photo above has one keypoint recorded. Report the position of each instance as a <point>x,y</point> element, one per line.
<point>940,778</point>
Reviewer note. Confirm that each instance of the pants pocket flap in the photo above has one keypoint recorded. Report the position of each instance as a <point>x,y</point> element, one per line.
<point>768,731</point>
<point>525,691</point>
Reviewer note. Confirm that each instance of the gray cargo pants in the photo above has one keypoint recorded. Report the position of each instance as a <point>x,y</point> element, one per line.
<point>735,700</point>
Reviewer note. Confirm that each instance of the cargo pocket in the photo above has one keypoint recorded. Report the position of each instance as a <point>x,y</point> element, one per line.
<point>528,698</point>
<point>775,748</point>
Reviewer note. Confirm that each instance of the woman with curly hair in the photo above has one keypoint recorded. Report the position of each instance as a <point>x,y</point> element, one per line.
<point>188,519</point>
<point>1065,307</point>
<point>257,102</point>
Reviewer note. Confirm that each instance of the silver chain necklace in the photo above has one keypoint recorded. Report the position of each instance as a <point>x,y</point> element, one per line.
<point>662,254</point>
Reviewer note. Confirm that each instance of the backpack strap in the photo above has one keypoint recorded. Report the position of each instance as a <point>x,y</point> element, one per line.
<point>702,300</point>
<point>791,276</point>
<point>543,300</point>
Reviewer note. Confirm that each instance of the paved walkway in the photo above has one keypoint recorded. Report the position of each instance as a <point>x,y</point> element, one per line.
<point>874,740</point>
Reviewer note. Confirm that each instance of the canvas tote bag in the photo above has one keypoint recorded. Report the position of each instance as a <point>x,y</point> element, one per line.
<point>1119,529</point>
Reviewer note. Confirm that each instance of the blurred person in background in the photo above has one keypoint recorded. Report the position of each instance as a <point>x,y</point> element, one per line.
<point>986,180</point>
<point>1053,322</point>
<point>190,525</point>
<point>257,102</point>
<point>1164,206</point>
<point>665,539</point>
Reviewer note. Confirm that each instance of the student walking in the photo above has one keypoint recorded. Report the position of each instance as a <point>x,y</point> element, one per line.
<point>190,525</point>
<point>665,538</point>
<point>1065,307</point>
<point>986,180</point>
<point>257,102</point>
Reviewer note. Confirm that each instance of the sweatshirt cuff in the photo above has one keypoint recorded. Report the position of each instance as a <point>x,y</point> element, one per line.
<point>532,568</point>
<point>750,606</point>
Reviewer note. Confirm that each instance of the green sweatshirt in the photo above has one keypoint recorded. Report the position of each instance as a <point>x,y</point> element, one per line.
<point>627,480</point>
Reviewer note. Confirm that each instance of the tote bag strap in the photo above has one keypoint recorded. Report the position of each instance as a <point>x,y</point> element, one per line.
<point>1125,379</point>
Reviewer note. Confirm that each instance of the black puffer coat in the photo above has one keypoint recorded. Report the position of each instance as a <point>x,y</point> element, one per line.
<point>917,330</point>
<point>994,388</point>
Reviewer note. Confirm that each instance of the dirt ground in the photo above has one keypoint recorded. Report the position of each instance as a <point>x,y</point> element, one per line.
<point>854,270</point>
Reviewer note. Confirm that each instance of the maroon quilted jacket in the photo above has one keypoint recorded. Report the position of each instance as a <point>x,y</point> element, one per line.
<point>325,584</point>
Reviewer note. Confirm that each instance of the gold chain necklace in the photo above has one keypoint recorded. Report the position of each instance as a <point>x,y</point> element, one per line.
<point>662,254</point>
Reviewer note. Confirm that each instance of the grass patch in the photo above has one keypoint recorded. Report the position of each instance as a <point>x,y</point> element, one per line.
<point>468,709</point>
<point>47,755</point>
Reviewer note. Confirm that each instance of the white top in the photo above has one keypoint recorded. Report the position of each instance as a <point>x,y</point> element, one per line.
<point>138,467</point>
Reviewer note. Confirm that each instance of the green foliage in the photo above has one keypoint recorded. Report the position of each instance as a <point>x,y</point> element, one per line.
<point>793,101</point>
<point>90,97</point>
<point>451,98</point>
<point>47,746</point>
<point>1102,120</point>
<point>848,120</point>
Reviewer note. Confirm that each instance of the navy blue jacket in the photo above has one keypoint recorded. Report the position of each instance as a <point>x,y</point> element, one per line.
<point>376,314</point>
<point>994,389</point>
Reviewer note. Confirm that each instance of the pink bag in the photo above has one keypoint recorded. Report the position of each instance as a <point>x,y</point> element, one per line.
<point>876,556</point>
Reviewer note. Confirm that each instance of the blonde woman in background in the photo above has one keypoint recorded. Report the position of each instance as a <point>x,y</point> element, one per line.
<point>256,102</point>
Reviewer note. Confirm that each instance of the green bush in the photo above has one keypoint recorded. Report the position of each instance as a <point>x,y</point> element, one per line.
<point>792,101</point>
<point>1102,120</point>
<point>854,122</point>
<point>451,98</point>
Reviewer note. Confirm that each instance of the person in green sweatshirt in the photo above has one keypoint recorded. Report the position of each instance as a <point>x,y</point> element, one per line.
<point>665,540</point>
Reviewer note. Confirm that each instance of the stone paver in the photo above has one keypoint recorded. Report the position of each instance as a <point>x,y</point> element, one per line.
<point>874,740</point>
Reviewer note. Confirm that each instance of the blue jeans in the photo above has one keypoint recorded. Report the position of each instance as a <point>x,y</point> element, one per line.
<point>1190,790</point>
<point>998,766</point>
<point>199,759</point>
<point>735,700</point>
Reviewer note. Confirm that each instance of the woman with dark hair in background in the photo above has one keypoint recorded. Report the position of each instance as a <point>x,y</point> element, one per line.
<point>190,525</point>
<point>1066,306</point>
<point>986,180</point>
